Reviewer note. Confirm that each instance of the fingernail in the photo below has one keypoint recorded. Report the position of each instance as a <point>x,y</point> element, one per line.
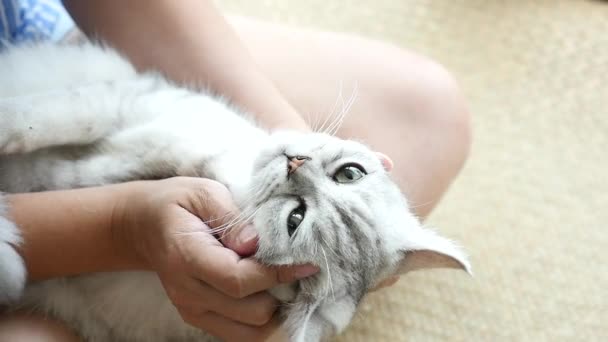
<point>305,271</point>
<point>247,234</point>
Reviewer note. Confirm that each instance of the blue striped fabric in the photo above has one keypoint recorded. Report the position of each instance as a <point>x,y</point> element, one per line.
<point>33,20</point>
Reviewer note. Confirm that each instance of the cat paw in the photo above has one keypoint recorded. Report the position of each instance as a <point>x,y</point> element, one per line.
<point>12,268</point>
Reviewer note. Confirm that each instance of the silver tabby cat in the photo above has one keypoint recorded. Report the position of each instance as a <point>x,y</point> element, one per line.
<point>77,116</point>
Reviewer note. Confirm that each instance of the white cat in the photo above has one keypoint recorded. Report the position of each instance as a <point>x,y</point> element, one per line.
<point>76,116</point>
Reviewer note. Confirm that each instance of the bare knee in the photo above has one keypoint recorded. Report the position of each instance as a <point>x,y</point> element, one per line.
<point>425,99</point>
<point>34,328</point>
<point>420,119</point>
<point>429,106</point>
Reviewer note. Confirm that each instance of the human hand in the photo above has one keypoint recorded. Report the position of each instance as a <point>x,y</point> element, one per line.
<point>210,285</point>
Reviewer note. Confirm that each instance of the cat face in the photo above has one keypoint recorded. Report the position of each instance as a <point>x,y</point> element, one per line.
<point>330,202</point>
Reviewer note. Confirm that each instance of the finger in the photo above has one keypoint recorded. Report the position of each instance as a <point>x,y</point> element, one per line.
<point>228,330</point>
<point>256,309</point>
<point>215,204</point>
<point>236,277</point>
<point>244,241</point>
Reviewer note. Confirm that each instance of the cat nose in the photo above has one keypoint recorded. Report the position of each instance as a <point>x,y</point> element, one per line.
<point>295,162</point>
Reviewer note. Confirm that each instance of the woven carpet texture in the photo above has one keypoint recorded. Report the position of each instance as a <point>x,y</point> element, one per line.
<point>531,205</point>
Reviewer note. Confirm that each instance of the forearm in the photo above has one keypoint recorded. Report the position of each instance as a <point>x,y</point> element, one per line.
<point>191,42</point>
<point>71,232</point>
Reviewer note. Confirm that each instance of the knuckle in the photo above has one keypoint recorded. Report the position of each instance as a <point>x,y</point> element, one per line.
<point>283,274</point>
<point>196,318</point>
<point>211,186</point>
<point>235,287</point>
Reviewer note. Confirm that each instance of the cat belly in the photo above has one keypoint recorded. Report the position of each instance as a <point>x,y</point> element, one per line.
<point>117,306</point>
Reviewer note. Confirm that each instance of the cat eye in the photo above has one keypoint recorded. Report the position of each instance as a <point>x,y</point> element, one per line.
<point>349,173</point>
<point>295,218</point>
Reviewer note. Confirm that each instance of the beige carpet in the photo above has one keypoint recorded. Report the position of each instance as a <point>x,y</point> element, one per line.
<point>531,206</point>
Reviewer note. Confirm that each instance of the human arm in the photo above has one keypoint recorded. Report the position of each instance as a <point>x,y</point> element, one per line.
<point>191,43</point>
<point>70,232</point>
<point>153,225</point>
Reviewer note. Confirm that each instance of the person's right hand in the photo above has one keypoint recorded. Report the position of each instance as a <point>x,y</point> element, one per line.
<point>211,286</point>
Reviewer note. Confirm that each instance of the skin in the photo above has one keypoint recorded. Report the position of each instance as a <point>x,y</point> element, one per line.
<point>409,108</point>
<point>187,47</point>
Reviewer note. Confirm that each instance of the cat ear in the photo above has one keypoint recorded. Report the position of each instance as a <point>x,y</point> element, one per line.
<point>387,163</point>
<point>432,251</point>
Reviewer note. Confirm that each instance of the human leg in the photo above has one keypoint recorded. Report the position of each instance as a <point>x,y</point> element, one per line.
<point>407,106</point>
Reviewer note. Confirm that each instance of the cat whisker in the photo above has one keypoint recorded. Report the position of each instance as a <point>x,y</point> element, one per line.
<point>317,123</point>
<point>228,228</point>
<point>239,217</point>
<point>232,222</point>
<point>207,223</point>
<point>256,191</point>
<point>259,192</point>
<point>329,281</point>
<point>331,130</point>
<point>333,109</point>
<point>336,117</point>
<point>309,120</point>
<point>329,246</point>
<point>217,218</point>
<point>422,204</point>
<point>339,117</point>
<point>338,114</point>
<point>346,109</point>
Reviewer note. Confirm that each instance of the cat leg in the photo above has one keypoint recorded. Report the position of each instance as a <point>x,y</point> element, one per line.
<point>12,269</point>
<point>144,152</point>
<point>73,116</point>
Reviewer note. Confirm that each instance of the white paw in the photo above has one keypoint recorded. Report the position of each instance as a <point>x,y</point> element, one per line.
<point>12,268</point>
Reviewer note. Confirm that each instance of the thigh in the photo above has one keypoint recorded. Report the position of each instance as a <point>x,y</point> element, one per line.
<point>33,328</point>
<point>403,104</point>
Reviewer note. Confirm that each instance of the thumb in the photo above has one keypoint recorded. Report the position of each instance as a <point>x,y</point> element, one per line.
<point>217,207</point>
<point>242,240</point>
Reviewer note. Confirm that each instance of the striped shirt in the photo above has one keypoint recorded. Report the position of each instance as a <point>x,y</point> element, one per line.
<point>33,20</point>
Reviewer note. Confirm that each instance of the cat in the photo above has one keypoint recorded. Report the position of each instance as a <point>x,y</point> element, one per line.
<point>78,116</point>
